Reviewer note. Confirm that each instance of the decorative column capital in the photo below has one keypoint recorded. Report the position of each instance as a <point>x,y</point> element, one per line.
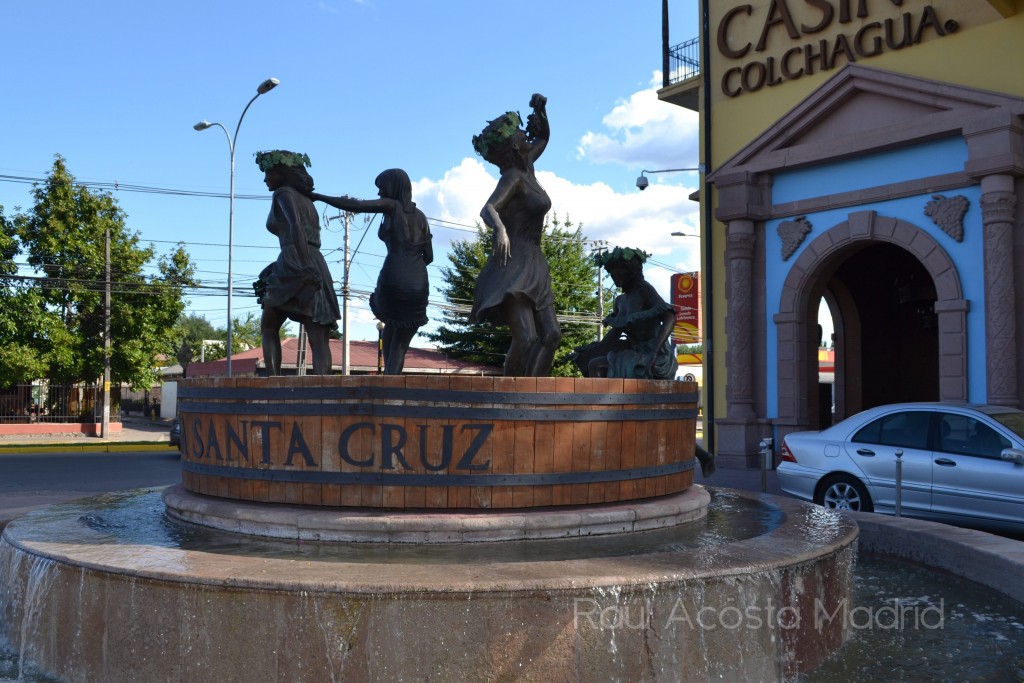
<point>740,240</point>
<point>998,207</point>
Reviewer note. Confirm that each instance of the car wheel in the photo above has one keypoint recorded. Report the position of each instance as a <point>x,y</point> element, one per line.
<point>843,492</point>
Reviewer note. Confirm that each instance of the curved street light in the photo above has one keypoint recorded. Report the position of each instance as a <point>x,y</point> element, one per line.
<point>642,182</point>
<point>264,87</point>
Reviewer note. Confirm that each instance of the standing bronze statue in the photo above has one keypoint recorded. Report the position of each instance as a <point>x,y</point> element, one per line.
<point>638,344</point>
<point>400,299</point>
<point>297,286</point>
<point>514,286</point>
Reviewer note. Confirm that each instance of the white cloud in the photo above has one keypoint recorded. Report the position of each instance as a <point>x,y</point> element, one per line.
<point>459,195</point>
<point>643,131</point>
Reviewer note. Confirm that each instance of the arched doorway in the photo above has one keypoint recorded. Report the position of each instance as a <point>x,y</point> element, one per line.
<point>899,319</point>
<point>895,343</point>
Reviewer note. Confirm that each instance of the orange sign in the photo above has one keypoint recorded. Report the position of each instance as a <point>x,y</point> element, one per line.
<point>686,300</point>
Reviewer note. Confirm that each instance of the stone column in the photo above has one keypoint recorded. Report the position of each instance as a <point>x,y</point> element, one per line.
<point>739,256</point>
<point>998,202</point>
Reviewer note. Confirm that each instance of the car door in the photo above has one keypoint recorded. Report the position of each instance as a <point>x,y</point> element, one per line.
<point>969,478</point>
<point>873,449</point>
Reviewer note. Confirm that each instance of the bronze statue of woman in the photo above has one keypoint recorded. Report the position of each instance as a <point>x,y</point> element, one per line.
<point>298,285</point>
<point>400,299</point>
<point>514,286</point>
<point>638,344</point>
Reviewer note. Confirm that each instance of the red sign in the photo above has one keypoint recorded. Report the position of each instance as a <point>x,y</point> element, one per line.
<point>686,300</point>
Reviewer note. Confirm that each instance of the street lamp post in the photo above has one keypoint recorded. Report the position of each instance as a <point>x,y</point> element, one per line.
<point>380,347</point>
<point>709,403</point>
<point>264,87</point>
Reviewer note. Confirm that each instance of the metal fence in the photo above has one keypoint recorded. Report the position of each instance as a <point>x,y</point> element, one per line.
<point>47,402</point>
<point>684,61</point>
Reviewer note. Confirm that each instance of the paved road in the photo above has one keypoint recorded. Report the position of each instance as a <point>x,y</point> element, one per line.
<point>28,480</point>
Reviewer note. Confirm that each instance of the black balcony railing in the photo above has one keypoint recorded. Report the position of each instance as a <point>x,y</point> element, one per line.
<point>683,62</point>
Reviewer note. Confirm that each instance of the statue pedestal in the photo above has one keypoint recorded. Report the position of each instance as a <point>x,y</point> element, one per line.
<point>437,442</point>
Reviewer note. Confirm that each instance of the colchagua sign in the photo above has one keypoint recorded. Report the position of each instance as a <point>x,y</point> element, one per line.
<point>767,65</point>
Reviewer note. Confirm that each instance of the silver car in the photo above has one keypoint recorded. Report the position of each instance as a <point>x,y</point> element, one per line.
<point>961,463</point>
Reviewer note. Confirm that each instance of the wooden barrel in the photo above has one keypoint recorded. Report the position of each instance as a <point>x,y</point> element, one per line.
<point>440,441</point>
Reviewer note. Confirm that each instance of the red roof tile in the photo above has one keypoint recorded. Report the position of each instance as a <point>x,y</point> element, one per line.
<point>362,360</point>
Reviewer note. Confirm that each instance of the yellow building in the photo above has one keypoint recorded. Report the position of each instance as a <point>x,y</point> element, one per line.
<point>868,153</point>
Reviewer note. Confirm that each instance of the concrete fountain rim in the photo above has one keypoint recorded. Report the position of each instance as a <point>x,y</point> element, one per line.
<point>425,526</point>
<point>808,533</point>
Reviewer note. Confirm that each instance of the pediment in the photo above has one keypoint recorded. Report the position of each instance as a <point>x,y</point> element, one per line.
<point>860,110</point>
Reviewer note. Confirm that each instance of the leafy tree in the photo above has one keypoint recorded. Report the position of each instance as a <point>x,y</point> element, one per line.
<point>189,334</point>
<point>19,306</point>
<point>246,334</point>
<point>573,279</point>
<point>64,237</point>
<point>191,330</point>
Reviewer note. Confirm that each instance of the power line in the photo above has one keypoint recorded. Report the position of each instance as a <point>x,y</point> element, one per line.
<point>117,186</point>
<point>131,187</point>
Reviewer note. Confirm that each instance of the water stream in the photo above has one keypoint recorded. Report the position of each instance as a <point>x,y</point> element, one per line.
<point>907,623</point>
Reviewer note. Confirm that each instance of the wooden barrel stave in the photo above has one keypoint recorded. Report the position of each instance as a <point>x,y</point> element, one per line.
<point>281,440</point>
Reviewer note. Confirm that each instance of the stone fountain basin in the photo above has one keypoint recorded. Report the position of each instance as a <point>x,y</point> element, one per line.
<point>83,603</point>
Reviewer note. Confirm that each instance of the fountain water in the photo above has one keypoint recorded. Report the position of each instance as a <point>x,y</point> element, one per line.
<point>644,578</point>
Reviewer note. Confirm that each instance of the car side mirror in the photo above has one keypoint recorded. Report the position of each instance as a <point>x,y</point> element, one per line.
<point>1013,455</point>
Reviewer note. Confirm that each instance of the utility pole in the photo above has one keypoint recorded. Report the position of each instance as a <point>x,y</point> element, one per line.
<point>345,291</point>
<point>105,429</point>
<point>345,366</point>
<point>600,246</point>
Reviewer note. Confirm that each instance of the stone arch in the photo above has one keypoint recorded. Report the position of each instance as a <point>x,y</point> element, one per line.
<point>804,279</point>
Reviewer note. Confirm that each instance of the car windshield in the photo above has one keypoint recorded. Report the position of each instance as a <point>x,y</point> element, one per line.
<point>1011,419</point>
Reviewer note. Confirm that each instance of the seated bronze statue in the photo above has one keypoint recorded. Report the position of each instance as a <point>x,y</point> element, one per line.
<point>638,344</point>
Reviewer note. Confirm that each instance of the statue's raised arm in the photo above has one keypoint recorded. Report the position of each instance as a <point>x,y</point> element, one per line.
<point>538,131</point>
<point>514,286</point>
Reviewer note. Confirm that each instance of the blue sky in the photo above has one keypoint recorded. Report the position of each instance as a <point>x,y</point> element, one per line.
<point>115,87</point>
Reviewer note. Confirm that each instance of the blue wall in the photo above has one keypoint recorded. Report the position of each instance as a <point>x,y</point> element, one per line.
<point>934,158</point>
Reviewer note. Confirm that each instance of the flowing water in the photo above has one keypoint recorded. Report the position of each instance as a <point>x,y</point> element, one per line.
<point>916,625</point>
<point>128,518</point>
<point>907,623</point>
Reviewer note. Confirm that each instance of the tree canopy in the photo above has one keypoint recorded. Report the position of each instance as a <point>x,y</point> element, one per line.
<point>574,283</point>
<point>55,315</point>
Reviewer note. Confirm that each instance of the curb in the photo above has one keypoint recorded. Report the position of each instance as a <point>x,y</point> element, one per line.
<point>979,556</point>
<point>111,447</point>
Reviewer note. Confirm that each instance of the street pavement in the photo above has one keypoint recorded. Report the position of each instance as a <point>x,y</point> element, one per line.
<point>45,469</point>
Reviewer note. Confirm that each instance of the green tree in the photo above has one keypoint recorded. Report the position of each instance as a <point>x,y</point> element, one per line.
<point>20,361</point>
<point>191,330</point>
<point>190,333</point>
<point>64,237</point>
<point>246,334</point>
<point>573,280</point>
